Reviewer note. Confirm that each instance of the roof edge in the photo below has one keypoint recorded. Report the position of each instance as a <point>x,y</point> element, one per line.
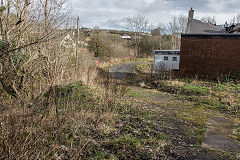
<point>216,35</point>
<point>167,50</point>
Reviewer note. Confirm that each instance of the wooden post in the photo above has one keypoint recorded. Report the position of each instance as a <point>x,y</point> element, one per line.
<point>77,37</point>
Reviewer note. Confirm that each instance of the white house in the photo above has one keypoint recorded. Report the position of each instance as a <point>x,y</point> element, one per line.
<point>126,37</point>
<point>165,60</point>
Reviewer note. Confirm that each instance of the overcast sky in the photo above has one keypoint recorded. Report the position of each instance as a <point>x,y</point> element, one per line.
<point>110,14</point>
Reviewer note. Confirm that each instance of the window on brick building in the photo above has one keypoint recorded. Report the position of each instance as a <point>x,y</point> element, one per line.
<point>166,58</point>
<point>174,59</point>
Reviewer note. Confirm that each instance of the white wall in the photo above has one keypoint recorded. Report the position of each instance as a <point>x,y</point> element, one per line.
<point>165,65</point>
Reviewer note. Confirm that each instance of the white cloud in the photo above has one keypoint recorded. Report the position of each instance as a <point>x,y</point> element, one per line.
<point>109,13</point>
<point>222,5</point>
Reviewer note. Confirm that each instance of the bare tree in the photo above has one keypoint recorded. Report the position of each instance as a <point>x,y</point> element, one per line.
<point>235,19</point>
<point>208,19</point>
<point>175,27</point>
<point>140,25</point>
<point>178,24</point>
<point>26,28</point>
<point>160,29</point>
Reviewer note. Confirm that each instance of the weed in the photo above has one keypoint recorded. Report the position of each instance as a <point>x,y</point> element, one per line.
<point>127,147</point>
<point>200,135</point>
<point>98,155</point>
<point>191,89</point>
<point>161,135</point>
<point>134,94</point>
<point>228,86</point>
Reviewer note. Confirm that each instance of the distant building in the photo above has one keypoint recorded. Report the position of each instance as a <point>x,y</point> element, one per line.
<point>209,50</point>
<point>126,37</point>
<point>165,60</point>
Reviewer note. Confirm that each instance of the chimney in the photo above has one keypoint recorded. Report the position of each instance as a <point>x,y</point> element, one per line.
<point>190,16</point>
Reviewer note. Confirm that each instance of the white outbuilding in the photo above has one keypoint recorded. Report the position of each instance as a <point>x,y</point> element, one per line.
<point>165,60</point>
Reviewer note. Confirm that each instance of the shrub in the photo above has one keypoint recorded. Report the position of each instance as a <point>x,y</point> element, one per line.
<point>97,46</point>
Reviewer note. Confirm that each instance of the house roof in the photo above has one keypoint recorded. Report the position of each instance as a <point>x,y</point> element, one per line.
<point>199,27</point>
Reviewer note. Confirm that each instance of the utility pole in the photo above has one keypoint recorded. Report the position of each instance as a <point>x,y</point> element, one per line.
<point>77,38</point>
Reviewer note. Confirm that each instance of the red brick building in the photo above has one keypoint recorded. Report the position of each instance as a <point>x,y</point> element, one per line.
<point>209,49</point>
<point>210,54</point>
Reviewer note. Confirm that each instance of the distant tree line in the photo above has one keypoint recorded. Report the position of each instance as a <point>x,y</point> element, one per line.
<point>146,37</point>
<point>149,37</point>
<point>106,45</point>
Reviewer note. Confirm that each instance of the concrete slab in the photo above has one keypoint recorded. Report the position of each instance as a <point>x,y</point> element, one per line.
<point>218,135</point>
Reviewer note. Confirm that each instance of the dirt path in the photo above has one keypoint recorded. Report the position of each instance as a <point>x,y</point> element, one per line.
<point>185,123</point>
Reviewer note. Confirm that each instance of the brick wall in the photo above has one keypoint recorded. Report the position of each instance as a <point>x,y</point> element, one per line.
<point>209,55</point>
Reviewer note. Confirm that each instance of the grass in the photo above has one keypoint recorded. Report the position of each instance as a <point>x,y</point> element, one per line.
<point>134,94</point>
<point>111,122</point>
<point>194,116</point>
<point>220,96</point>
<point>238,136</point>
<point>200,135</point>
<point>228,86</point>
<point>191,89</point>
<point>139,130</point>
<point>206,96</point>
<point>210,95</point>
<point>74,121</point>
<point>64,124</point>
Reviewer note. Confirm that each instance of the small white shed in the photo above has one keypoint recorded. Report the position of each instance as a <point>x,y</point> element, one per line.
<point>165,60</point>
